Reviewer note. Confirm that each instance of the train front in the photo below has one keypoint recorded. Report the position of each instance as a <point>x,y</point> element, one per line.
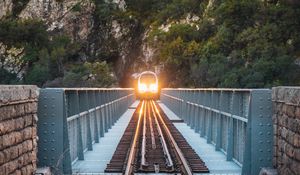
<point>147,87</point>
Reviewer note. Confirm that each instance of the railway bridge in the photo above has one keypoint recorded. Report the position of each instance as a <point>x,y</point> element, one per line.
<point>187,131</point>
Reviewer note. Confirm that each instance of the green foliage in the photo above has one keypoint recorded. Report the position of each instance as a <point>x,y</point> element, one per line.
<point>77,8</point>
<point>21,32</point>
<point>235,43</point>
<point>37,75</point>
<point>7,77</point>
<point>239,43</point>
<point>185,31</point>
<point>95,74</point>
<point>178,8</point>
<point>237,14</point>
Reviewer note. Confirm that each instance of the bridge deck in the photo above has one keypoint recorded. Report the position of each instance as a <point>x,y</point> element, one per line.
<point>215,160</point>
<point>95,161</point>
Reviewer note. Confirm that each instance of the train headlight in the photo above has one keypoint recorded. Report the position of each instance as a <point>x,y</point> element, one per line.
<point>153,88</point>
<point>142,88</point>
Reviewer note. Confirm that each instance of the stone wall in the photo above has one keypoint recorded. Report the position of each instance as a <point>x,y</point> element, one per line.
<point>18,139</point>
<point>286,130</point>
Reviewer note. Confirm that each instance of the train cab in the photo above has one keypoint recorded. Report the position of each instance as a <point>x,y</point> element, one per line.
<point>147,86</point>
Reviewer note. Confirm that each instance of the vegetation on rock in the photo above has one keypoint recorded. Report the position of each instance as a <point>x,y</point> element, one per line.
<point>208,43</point>
<point>236,43</point>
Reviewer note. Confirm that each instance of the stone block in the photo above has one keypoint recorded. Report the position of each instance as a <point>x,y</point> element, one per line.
<point>292,125</point>
<point>26,158</point>
<point>11,166</point>
<point>290,110</point>
<point>31,108</point>
<point>34,132</point>
<point>284,132</point>
<point>4,141</point>
<point>35,119</point>
<point>25,147</point>
<point>17,137</point>
<point>12,93</point>
<point>279,160</point>
<point>28,119</point>
<point>27,133</point>
<point>30,169</point>
<point>34,93</point>
<point>34,164</point>
<point>285,109</point>
<point>34,143</point>
<point>10,139</point>
<point>33,156</point>
<point>6,154</point>
<point>274,93</point>
<point>14,152</point>
<point>7,126</point>
<point>289,150</point>
<point>290,137</point>
<point>287,161</point>
<point>18,108</point>
<point>297,154</point>
<point>12,111</point>
<point>21,161</point>
<point>17,172</point>
<point>2,158</point>
<point>287,94</point>
<point>279,108</point>
<point>296,140</point>
<point>285,120</point>
<point>29,145</point>
<point>275,119</point>
<point>24,170</point>
<point>19,123</point>
<point>297,113</point>
<point>281,142</point>
<point>3,169</point>
<point>295,168</point>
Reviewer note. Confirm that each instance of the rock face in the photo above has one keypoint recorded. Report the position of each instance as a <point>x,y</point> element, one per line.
<point>18,132</point>
<point>286,119</point>
<point>5,7</point>
<point>73,17</point>
<point>76,19</point>
<point>124,42</point>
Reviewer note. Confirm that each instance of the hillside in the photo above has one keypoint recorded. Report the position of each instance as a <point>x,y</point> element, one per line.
<point>191,43</point>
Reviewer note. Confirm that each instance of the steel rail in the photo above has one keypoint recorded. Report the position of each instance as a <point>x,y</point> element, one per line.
<point>143,162</point>
<point>151,130</point>
<point>167,155</point>
<point>187,169</point>
<point>133,146</point>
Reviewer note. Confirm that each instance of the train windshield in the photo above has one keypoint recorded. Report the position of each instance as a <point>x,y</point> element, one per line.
<point>148,78</point>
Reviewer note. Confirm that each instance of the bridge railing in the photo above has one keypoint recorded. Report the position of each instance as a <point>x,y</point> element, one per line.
<point>71,120</point>
<point>237,122</point>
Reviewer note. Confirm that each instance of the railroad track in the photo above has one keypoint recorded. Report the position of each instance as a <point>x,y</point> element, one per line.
<point>152,144</point>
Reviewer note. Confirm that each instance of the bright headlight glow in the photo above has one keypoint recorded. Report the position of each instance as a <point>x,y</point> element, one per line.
<point>153,87</point>
<point>142,88</point>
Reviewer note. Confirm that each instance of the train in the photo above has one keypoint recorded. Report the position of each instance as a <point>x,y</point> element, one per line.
<point>147,86</point>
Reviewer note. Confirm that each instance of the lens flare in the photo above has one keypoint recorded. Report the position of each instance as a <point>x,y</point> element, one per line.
<point>153,88</point>
<point>142,88</point>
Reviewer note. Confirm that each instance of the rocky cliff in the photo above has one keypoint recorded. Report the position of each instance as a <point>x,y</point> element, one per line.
<point>5,7</point>
<point>73,17</point>
<point>199,41</point>
<point>114,40</point>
